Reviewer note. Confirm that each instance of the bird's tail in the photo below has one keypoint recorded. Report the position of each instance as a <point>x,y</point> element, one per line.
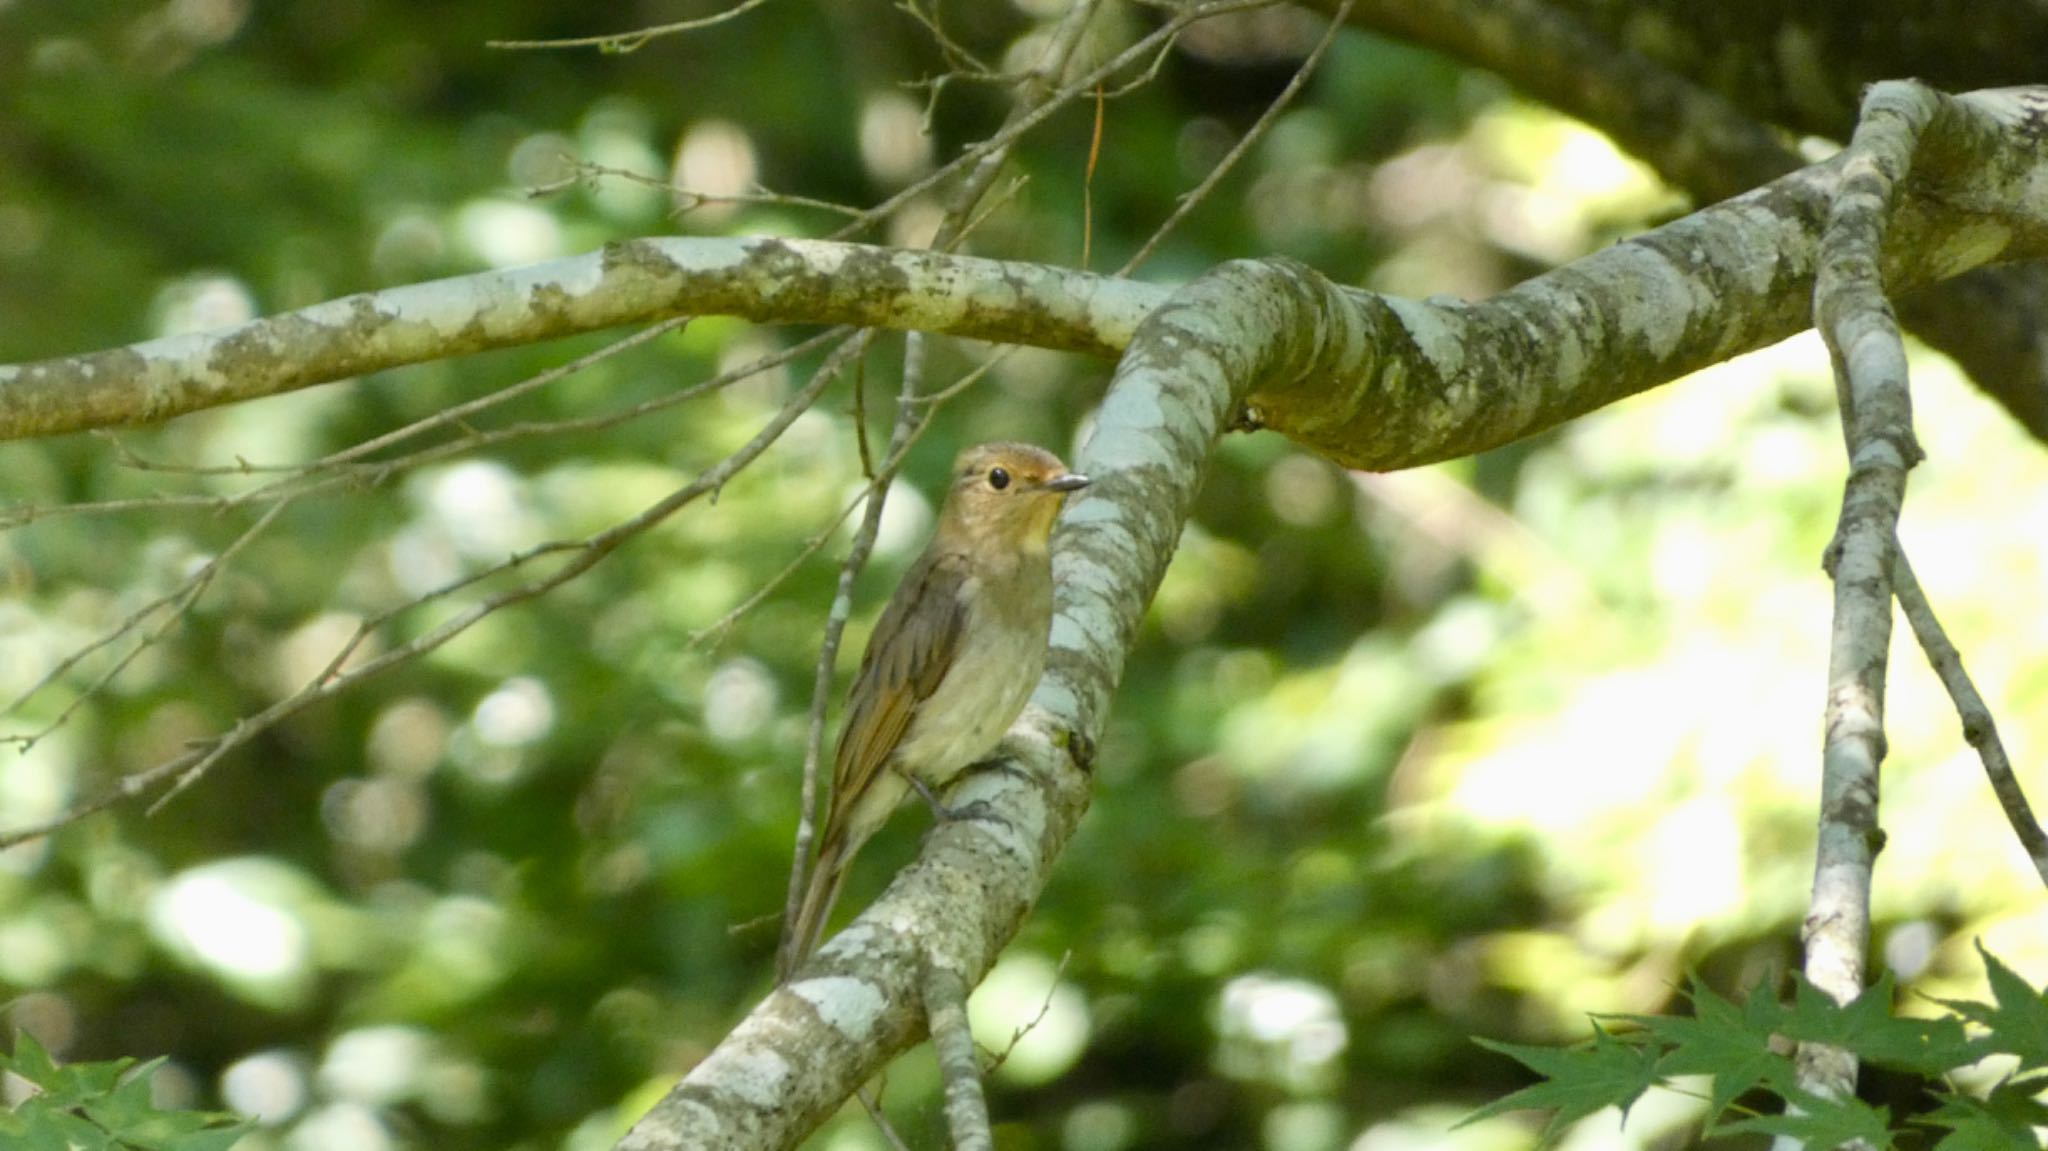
<point>803,934</point>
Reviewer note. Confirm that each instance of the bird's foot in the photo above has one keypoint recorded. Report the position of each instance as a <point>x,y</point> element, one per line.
<point>943,812</point>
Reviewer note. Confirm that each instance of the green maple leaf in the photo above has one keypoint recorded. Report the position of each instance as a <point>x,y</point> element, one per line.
<point>1867,1027</point>
<point>125,1105</point>
<point>1579,1080</point>
<point>1819,1122</point>
<point>2018,1025</point>
<point>2006,1119</point>
<point>29,1060</point>
<point>47,1129</point>
<point>102,1107</point>
<point>61,1086</point>
<point>211,1139</point>
<point>1731,1044</point>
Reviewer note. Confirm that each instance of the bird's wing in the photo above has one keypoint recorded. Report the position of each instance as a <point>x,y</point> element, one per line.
<point>913,646</point>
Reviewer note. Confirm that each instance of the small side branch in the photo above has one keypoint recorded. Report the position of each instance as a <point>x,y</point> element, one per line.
<point>945,1003</point>
<point>1979,729</point>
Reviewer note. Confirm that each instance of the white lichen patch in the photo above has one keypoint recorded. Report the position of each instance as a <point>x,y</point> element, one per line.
<point>1750,247</point>
<point>1438,334</point>
<point>849,1006</point>
<point>1658,299</point>
<point>757,1077</point>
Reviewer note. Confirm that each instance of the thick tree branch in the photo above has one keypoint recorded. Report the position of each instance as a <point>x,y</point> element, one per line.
<point>1870,377</point>
<point>1655,104</point>
<point>1441,381</point>
<point>633,281</point>
<point>1283,336</point>
<point>860,1000</point>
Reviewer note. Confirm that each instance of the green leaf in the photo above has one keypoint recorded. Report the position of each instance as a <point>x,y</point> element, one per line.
<point>1733,1046</point>
<point>130,1113</point>
<point>2006,1118</point>
<point>1819,1122</point>
<point>125,1107</point>
<point>211,1139</point>
<point>64,1086</point>
<point>1970,1128</point>
<point>50,1129</point>
<point>1578,1080</point>
<point>2019,1023</point>
<point>29,1060</point>
<point>1866,1027</point>
<point>105,1106</point>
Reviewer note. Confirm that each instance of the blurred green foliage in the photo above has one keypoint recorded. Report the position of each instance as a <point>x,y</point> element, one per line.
<point>1399,760</point>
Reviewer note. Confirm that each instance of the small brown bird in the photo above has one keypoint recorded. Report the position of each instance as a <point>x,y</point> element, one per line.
<point>951,662</point>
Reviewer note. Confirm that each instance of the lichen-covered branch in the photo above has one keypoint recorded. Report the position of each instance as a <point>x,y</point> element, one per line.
<point>945,1005</point>
<point>1905,129</point>
<point>861,999</point>
<point>1625,80</point>
<point>1446,380</point>
<point>1440,380</point>
<point>632,281</point>
<point>1869,356</point>
<point>1359,376</point>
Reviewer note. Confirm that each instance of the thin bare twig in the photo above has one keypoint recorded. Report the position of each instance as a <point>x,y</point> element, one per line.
<point>1980,730</point>
<point>585,170</point>
<point>998,1058</point>
<point>906,429</point>
<point>346,468</point>
<point>623,42</point>
<point>873,1106</point>
<point>458,415</point>
<point>178,600</point>
<point>959,61</point>
<point>1154,44</point>
<point>349,465</point>
<point>584,554</point>
<point>1193,197</point>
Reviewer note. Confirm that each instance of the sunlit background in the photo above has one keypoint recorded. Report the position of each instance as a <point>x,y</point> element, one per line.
<point>1400,759</point>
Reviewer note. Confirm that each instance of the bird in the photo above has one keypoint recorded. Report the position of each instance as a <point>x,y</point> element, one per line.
<point>950,663</point>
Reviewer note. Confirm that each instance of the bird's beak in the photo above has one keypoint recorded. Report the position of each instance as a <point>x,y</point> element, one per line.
<point>1070,482</point>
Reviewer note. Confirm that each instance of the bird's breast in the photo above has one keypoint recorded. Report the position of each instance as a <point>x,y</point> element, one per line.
<point>1001,655</point>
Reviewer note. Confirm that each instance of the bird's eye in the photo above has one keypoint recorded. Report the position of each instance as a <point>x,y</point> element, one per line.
<point>998,478</point>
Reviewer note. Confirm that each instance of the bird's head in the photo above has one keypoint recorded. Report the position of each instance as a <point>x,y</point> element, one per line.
<point>1006,495</point>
